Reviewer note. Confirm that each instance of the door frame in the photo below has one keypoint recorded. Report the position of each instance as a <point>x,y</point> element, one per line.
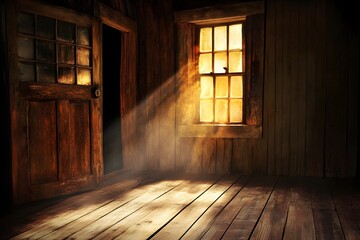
<point>128,68</point>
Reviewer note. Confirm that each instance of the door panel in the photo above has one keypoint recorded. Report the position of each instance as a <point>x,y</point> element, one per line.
<point>42,142</point>
<point>79,139</point>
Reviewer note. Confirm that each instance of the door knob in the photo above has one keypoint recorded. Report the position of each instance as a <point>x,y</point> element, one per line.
<point>96,92</point>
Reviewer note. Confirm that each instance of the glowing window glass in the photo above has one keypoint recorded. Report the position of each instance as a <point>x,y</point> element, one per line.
<point>56,51</point>
<point>235,36</point>
<point>206,40</point>
<point>220,38</point>
<point>207,87</point>
<point>222,87</point>
<point>221,70</point>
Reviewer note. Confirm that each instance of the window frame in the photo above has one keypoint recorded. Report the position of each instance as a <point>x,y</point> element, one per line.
<point>227,74</point>
<point>187,107</point>
<point>57,43</point>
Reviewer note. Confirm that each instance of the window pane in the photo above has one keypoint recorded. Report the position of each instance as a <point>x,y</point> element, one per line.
<point>83,56</point>
<point>26,48</point>
<point>235,61</point>
<point>235,36</point>
<point>65,31</point>
<point>205,39</point>
<point>45,51</point>
<point>205,63</point>
<point>220,38</point>
<point>221,87</point>
<point>26,71</point>
<point>66,75</point>
<point>207,87</point>
<point>83,36</point>
<point>206,110</point>
<point>45,27</point>
<point>220,62</point>
<point>236,106</point>
<point>236,87</point>
<point>46,73</point>
<point>66,54</point>
<point>26,23</point>
<point>221,111</point>
<point>83,76</point>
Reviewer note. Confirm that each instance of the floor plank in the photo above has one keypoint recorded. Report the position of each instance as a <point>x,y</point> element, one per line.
<point>184,220</point>
<point>257,193</point>
<point>327,225</point>
<point>299,224</point>
<point>156,206</point>
<point>346,196</point>
<point>273,219</point>
<point>143,223</point>
<point>199,228</point>
<point>114,210</point>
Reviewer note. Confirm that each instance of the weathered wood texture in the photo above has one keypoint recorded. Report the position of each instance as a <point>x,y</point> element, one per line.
<point>156,87</point>
<point>310,108</point>
<point>56,128</point>
<point>151,206</point>
<point>128,95</point>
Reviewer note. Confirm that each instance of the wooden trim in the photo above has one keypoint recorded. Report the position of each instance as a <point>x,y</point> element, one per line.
<point>55,12</point>
<point>116,19</point>
<point>220,131</point>
<point>96,106</point>
<point>228,12</point>
<point>56,91</point>
<point>18,129</point>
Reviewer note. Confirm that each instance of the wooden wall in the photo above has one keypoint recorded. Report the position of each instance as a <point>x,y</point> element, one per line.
<point>156,86</point>
<point>310,115</point>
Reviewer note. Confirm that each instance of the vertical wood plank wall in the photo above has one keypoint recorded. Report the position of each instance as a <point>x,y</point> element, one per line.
<point>156,87</point>
<point>310,118</point>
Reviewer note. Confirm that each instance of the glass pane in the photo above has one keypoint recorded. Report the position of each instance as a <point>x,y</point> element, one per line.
<point>221,87</point>
<point>221,111</point>
<point>207,87</point>
<point>235,36</point>
<point>45,51</point>
<point>83,76</point>
<point>66,75</point>
<point>26,48</point>
<point>66,54</point>
<point>45,27</point>
<point>46,73</point>
<point>236,87</point>
<point>83,36</point>
<point>83,56</point>
<point>236,112</point>
<point>66,31</point>
<point>205,63</point>
<point>26,23</point>
<point>205,39</point>
<point>26,71</point>
<point>235,61</point>
<point>206,110</point>
<point>220,38</point>
<point>220,62</point>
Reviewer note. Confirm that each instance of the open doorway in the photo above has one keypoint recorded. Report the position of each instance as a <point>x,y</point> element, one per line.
<point>112,144</point>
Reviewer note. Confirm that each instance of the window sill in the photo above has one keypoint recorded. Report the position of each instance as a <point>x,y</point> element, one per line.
<point>220,131</point>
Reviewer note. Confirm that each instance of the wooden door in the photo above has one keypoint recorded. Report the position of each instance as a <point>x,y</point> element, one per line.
<point>55,101</point>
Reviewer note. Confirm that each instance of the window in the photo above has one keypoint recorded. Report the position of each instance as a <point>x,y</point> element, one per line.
<point>51,50</point>
<point>221,73</point>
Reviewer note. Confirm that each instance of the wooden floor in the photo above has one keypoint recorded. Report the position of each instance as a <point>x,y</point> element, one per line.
<point>206,207</point>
